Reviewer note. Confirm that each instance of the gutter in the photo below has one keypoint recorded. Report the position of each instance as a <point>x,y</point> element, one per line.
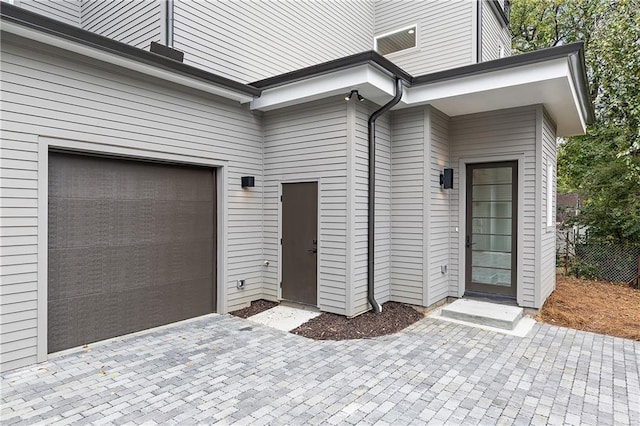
<point>369,57</point>
<point>371,222</point>
<point>580,80</point>
<point>169,23</point>
<point>479,31</point>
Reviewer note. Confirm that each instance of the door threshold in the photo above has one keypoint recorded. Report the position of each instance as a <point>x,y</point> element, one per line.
<point>489,297</point>
<point>299,305</point>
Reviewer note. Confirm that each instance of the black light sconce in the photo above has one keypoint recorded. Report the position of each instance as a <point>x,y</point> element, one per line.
<point>248,181</point>
<point>350,95</point>
<point>446,179</point>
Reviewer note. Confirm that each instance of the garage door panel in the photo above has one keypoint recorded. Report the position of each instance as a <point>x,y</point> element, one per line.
<point>75,272</point>
<point>182,260</point>
<point>71,179</point>
<point>151,182</point>
<point>139,254</point>
<point>185,220</point>
<point>90,270</point>
<point>90,220</point>
<point>61,331</point>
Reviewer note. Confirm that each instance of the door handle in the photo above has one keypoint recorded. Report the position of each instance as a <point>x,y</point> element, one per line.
<point>315,247</point>
<point>468,243</point>
<point>313,250</point>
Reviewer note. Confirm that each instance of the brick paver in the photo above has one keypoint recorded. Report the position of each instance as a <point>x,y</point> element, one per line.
<point>227,370</point>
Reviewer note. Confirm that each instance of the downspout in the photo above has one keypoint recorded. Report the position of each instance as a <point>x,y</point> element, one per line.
<point>169,22</point>
<point>371,231</point>
<point>479,32</point>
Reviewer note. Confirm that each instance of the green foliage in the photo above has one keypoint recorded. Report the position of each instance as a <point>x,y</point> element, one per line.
<point>603,166</point>
<point>584,269</point>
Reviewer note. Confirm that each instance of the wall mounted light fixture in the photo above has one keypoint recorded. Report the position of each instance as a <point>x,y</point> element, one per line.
<point>446,179</point>
<point>248,181</point>
<point>350,95</point>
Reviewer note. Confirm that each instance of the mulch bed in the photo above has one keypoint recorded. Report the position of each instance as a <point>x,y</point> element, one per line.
<point>595,306</point>
<point>256,307</point>
<point>394,317</point>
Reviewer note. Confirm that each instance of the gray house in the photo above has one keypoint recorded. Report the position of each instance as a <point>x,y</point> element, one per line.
<point>236,161</point>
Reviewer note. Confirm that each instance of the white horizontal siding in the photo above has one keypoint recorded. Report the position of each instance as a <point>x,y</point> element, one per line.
<point>407,207</point>
<point>50,93</point>
<point>306,143</point>
<point>249,40</point>
<point>548,233</point>
<point>444,34</point>
<point>135,22</point>
<point>494,34</point>
<point>18,247</point>
<point>67,11</point>
<point>438,214</point>
<point>512,132</point>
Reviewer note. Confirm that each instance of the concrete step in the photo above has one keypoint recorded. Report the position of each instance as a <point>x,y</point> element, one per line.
<point>484,313</point>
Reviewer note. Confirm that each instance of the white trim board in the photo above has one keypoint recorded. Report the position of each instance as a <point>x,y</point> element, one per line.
<point>45,144</point>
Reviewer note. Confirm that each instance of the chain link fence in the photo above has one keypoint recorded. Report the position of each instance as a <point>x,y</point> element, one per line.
<point>583,257</point>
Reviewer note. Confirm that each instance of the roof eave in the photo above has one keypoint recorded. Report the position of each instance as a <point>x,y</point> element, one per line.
<point>370,57</point>
<point>15,18</point>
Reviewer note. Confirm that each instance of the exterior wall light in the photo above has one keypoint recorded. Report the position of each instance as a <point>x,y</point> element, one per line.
<point>248,181</point>
<point>350,95</point>
<point>446,179</point>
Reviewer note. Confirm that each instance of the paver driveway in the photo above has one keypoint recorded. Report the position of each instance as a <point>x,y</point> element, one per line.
<point>221,368</point>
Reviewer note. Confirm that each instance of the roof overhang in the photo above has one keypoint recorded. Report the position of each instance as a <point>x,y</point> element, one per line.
<point>370,82</point>
<point>48,31</point>
<point>549,83</point>
<point>552,77</point>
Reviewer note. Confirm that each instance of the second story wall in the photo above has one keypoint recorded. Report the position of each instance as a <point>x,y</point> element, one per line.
<point>67,11</point>
<point>496,37</point>
<point>445,32</point>
<point>135,22</point>
<point>250,40</point>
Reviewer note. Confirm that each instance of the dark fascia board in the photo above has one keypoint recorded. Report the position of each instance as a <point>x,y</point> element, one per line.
<point>369,57</point>
<point>499,11</point>
<point>574,52</point>
<point>581,83</point>
<point>50,26</point>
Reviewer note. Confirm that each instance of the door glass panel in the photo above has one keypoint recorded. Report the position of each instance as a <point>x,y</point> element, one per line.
<point>494,259</point>
<point>501,192</point>
<point>492,209</point>
<point>491,176</point>
<point>491,225</point>
<point>500,243</point>
<point>493,276</point>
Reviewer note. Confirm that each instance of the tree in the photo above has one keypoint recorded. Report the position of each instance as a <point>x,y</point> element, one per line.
<point>603,166</point>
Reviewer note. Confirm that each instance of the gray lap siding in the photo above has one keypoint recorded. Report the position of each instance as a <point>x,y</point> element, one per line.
<point>50,95</point>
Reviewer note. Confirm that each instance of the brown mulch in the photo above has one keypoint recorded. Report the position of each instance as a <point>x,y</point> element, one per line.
<point>394,317</point>
<point>256,307</point>
<point>596,306</point>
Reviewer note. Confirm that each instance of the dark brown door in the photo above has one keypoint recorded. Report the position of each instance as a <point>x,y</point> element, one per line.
<point>491,225</point>
<point>131,246</point>
<point>300,242</point>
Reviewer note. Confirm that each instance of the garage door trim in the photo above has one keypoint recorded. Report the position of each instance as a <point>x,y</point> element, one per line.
<point>45,144</point>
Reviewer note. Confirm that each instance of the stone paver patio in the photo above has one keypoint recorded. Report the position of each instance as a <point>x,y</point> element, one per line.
<point>228,370</point>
